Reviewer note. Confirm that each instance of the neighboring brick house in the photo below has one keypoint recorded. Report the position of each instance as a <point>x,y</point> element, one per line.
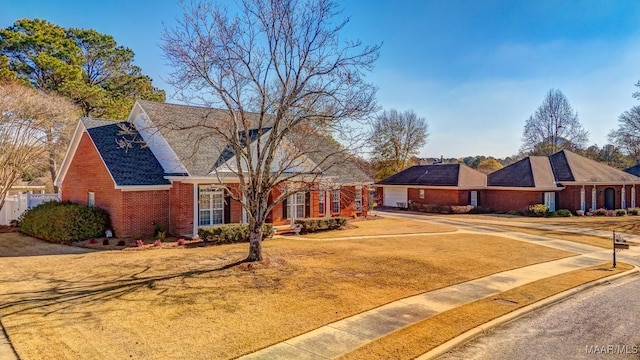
<point>438,184</point>
<point>158,168</point>
<point>564,180</point>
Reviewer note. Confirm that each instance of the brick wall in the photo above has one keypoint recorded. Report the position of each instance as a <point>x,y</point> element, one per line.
<point>507,200</point>
<point>87,173</point>
<point>181,208</point>
<point>435,196</point>
<point>142,210</point>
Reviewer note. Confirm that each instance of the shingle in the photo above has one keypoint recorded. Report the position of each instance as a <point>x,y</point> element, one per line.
<point>634,170</point>
<point>189,132</point>
<point>587,170</point>
<point>134,166</point>
<point>518,174</point>
<point>437,175</point>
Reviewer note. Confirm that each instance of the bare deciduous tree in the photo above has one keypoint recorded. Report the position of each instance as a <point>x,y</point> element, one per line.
<point>282,74</point>
<point>627,136</point>
<point>553,127</point>
<point>395,138</point>
<point>33,126</point>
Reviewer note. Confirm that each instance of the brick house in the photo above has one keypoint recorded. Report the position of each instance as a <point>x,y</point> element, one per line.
<point>564,180</point>
<point>438,184</point>
<point>160,166</point>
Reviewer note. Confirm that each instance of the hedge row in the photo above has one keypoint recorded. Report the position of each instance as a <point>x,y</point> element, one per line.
<point>64,222</point>
<point>310,225</point>
<point>231,233</point>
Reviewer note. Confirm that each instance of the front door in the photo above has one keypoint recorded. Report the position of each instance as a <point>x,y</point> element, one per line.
<point>609,198</point>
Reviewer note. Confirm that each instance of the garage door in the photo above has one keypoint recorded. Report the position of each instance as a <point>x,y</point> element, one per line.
<point>393,196</point>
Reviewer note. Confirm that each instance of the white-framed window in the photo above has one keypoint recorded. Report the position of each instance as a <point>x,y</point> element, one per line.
<point>91,201</point>
<point>297,204</point>
<point>421,193</point>
<point>335,201</point>
<point>358,199</point>
<point>210,206</point>
<point>321,204</point>
<point>550,200</point>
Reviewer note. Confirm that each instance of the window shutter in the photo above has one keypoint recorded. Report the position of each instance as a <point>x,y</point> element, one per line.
<point>227,209</point>
<point>478,198</point>
<point>285,207</point>
<point>469,198</point>
<point>307,204</point>
<point>557,200</point>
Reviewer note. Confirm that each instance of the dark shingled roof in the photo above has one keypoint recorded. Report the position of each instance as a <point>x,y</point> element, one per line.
<point>532,171</point>
<point>135,166</point>
<point>556,170</point>
<point>634,170</point>
<point>438,175</point>
<point>571,167</point>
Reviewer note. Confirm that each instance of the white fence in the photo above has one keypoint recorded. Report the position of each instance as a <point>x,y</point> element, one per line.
<point>15,205</point>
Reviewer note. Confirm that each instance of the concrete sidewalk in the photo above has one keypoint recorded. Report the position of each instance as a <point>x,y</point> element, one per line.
<point>346,335</point>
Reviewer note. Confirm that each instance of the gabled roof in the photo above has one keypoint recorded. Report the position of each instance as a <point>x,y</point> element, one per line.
<point>188,131</point>
<point>132,166</point>
<point>571,167</point>
<point>458,175</point>
<point>557,170</point>
<point>532,171</point>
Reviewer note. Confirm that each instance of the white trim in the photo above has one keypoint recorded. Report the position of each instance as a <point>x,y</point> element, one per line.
<point>623,198</point>
<point>594,198</point>
<point>440,187</point>
<point>153,138</point>
<point>195,210</point>
<point>71,151</point>
<point>583,199</point>
<point>142,187</point>
<point>203,179</point>
<point>633,196</point>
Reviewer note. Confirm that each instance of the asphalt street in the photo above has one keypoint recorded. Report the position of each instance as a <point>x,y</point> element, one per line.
<point>600,323</point>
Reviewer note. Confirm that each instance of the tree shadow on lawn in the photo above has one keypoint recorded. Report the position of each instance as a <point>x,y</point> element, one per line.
<point>65,294</point>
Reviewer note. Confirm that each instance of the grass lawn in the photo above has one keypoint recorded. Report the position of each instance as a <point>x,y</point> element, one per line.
<point>384,226</point>
<point>562,235</point>
<point>628,224</point>
<point>424,336</point>
<point>187,303</point>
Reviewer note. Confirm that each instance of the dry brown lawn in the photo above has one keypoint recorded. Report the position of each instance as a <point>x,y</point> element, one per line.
<point>562,235</point>
<point>16,244</point>
<point>190,304</point>
<point>627,224</point>
<point>424,336</point>
<point>384,226</point>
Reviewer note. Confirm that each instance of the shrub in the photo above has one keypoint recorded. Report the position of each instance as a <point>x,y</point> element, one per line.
<point>580,212</point>
<point>463,209</point>
<point>621,212</point>
<point>319,224</point>
<point>634,212</point>
<point>562,213</point>
<point>121,243</point>
<point>430,208</point>
<point>537,210</point>
<point>514,212</point>
<point>231,233</point>
<point>64,222</point>
<point>601,212</point>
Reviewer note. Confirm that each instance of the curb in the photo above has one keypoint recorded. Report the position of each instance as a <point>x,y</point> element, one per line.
<point>480,330</point>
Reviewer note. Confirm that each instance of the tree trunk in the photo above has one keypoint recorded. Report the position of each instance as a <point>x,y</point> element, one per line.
<point>255,244</point>
<point>52,160</point>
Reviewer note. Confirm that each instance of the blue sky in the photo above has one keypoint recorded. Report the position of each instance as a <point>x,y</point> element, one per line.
<point>476,70</point>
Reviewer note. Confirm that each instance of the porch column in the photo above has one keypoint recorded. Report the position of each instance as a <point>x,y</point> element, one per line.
<point>196,204</point>
<point>594,202</point>
<point>633,196</point>
<point>583,199</point>
<point>623,200</point>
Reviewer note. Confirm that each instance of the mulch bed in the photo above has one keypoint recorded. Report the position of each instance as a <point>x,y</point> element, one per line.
<point>7,229</point>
